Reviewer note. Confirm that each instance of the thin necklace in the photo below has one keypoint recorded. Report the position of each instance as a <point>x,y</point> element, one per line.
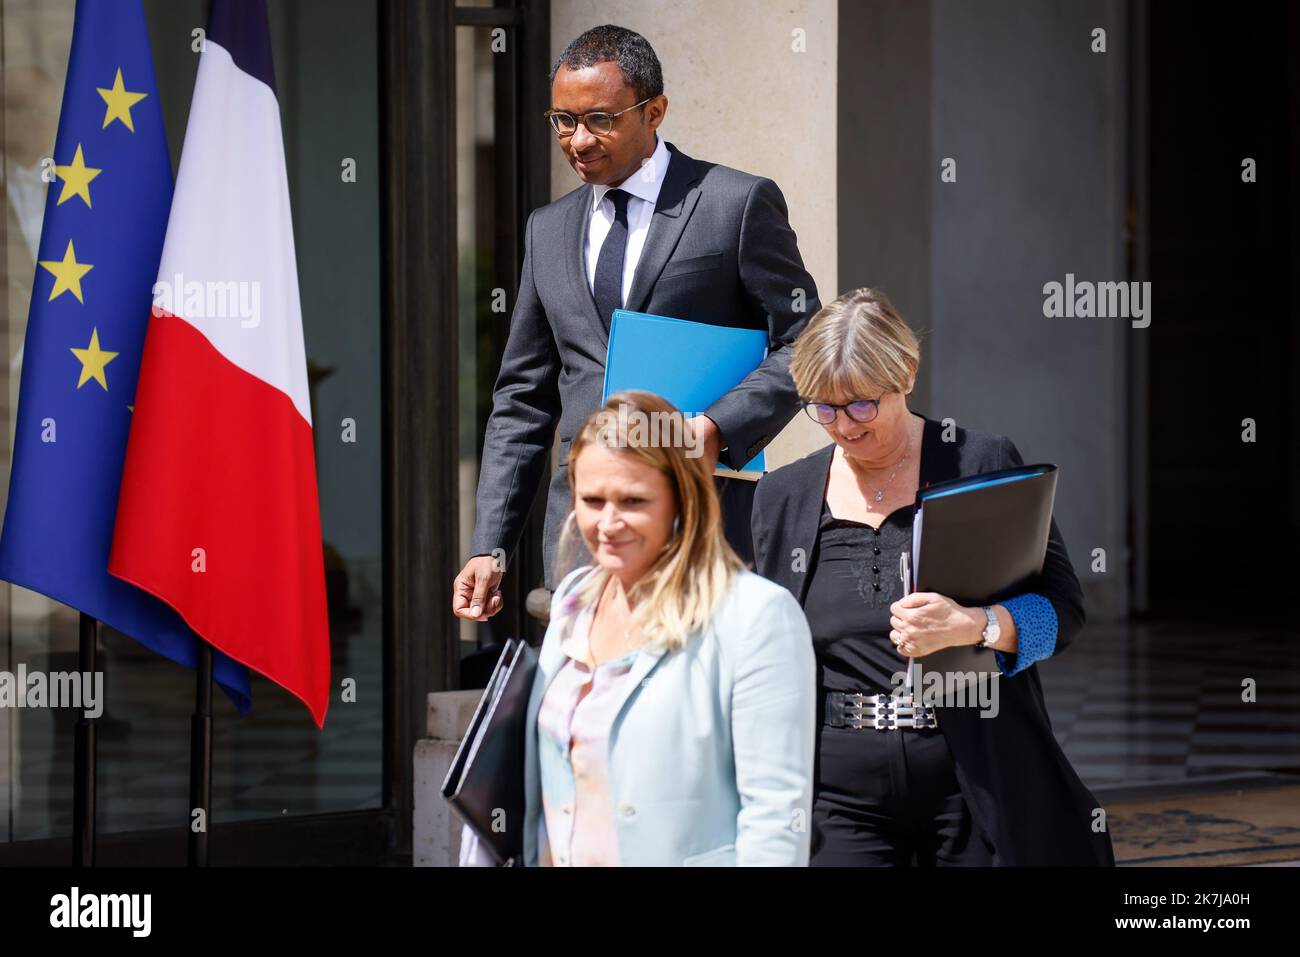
<point>879,496</point>
<point>627,632</point>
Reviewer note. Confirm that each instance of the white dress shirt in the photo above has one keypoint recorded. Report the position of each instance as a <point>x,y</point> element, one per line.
<point>643,186</point>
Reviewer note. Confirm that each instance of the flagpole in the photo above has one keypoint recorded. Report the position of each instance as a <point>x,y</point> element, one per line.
<point>83,775</point>
<point>201,758</point>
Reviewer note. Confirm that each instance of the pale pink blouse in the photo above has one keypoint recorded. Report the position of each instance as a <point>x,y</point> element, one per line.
<point>573,725</point>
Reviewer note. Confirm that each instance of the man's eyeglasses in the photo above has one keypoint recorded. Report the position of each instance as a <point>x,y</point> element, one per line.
<point>597,124</point>
<point>860,410</point>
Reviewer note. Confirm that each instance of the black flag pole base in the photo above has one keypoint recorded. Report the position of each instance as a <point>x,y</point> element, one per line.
<point>201,760</point>
<point>84,754</point>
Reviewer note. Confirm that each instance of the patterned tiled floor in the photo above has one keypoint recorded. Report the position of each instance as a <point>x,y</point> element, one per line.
<point>1161,702</point>
<point>1254,821</point>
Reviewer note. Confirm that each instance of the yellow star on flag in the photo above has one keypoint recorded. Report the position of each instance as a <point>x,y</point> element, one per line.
<point>67,274</point>
<point>93,359</point>
<point>76,178</point>
<point>119,100</point>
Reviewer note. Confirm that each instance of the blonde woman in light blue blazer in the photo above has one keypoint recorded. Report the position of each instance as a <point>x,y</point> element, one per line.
<point>672,715</point>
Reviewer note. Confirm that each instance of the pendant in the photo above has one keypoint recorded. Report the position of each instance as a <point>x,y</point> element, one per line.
<point>880,495</point>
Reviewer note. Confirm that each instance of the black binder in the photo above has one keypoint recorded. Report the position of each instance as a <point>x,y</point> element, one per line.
<point>979,540</point>
<point>485,783</point>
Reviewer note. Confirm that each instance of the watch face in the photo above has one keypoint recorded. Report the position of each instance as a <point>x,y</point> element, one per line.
<point>992,630</point>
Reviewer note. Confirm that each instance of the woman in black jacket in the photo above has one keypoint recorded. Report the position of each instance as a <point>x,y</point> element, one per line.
<point>947,785</point>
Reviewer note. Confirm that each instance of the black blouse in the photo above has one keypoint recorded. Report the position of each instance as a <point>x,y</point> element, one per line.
<point>1011,763</point>
<point>851,586</point>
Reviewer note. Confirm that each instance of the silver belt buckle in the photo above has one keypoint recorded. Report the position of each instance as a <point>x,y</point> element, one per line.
<point>916,716</point>
<point>881,712</point>
<point>886,713</point>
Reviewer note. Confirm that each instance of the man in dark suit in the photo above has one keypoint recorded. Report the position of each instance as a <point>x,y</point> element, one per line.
<point>650,230</point>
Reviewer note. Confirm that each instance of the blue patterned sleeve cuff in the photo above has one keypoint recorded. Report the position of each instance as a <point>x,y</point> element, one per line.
<point>1035,620</point>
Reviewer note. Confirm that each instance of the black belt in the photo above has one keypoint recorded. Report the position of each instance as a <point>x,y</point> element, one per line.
<point>880,712</point>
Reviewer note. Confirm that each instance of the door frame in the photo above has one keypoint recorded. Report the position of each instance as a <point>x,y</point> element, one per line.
<point>421,347</point>
<point>419,404</point>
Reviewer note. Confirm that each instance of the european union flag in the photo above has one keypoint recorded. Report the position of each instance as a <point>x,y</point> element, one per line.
<point>105,218</point>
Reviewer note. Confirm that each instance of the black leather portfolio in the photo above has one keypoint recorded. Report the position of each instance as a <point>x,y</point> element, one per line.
<point>979,540</point>
<point>485,783</point>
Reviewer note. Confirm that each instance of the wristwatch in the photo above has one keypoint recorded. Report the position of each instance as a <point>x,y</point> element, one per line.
<point>992,630</point>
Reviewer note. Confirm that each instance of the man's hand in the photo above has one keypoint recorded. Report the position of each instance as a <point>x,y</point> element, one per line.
<point>475,594</point>
<point>710,436</point>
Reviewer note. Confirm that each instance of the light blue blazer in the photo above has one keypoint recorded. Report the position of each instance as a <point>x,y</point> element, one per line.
<point>711,750</point>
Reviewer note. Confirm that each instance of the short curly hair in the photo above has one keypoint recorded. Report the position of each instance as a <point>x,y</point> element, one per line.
<point>632,52</point>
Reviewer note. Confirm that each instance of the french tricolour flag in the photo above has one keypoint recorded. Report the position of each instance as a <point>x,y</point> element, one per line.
<point>218,513</point>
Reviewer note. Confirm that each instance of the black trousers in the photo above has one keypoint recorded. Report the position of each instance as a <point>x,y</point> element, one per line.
<point>737,502</point>
<point>890,799</point>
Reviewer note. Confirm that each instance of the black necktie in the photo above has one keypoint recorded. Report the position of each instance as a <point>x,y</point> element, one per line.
<point>608,282</point>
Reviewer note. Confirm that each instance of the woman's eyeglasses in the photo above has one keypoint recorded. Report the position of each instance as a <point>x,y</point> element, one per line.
<point>860,410</point>
<point>597,124</point>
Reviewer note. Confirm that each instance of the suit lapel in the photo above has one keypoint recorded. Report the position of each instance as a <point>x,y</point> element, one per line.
<point>549,661</point>
<point>806,511</point>
<point>548,665</point>
<point>575,241</point>
<point>644,663</point>
<point>552,658</point>
<point>677,198</point>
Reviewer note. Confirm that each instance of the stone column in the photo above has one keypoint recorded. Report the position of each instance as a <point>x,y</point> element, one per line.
<point>1011,97</point>
<point>436,841</point>
<point>750,84</point>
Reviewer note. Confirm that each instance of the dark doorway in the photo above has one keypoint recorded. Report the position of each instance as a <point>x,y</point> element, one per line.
<point>1223,345</point>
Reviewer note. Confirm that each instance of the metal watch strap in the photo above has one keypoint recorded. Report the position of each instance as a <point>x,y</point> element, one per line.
<point>990,624</point>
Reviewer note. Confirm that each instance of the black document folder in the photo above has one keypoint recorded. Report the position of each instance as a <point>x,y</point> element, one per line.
<point>979,540</point>
<point>485,783</point>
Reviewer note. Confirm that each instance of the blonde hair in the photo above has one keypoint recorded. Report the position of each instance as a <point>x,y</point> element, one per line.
<point>854,345</point>
<point>683,587</point>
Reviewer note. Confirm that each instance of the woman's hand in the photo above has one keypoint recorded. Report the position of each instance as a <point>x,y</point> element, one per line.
<point>924,622</point>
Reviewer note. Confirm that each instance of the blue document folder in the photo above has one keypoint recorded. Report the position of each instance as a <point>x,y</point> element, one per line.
<point>691,364</point>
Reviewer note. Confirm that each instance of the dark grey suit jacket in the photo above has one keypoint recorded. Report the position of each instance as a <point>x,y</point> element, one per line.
<point>1023,794</point>
<point>720,250</point>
